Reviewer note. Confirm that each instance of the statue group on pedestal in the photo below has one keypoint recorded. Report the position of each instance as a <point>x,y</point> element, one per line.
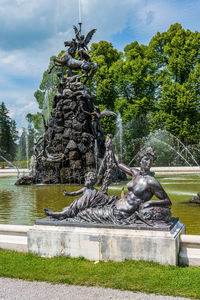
<point>136,206</point>
<point>75,123</point>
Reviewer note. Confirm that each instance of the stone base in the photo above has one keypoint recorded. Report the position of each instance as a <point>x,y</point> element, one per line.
<point>115,244</point>
<point>162,226</point>
<point>189,254</point>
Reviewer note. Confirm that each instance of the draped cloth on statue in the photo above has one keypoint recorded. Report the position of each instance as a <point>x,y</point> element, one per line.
<point>95,207</point>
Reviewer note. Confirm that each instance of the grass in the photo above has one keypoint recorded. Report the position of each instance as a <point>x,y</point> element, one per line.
<point>136,276</point>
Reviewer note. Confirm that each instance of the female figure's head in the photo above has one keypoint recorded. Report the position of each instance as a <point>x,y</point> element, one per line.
<point>90,179</point>
<point>146,157</point>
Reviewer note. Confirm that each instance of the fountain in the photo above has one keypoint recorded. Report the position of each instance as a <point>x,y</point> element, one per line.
<point>27,150</point>
<point>73,142</point>
<point>18,173</point>
<point>96,225</point>
<point>170,150</point>
<point>169,141</point>
<point>119,134</point>
<point>97,220</point>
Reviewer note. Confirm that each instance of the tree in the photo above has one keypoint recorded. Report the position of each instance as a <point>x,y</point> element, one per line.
<point>37,122</point>
<point>135,82</point>
<point>153,87</point>
<point>103,85</point>
<point>176,54</point>
<point>8,134</point>
<point>45,95</point>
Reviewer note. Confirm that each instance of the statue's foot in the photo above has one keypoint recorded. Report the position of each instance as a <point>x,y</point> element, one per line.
<point>48,212</point>
<point>53,214</point>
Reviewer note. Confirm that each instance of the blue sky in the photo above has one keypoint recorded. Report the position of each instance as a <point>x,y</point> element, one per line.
<point>33,30</point>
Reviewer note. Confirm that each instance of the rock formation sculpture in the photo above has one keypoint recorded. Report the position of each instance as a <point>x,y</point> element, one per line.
<point>73,142</point>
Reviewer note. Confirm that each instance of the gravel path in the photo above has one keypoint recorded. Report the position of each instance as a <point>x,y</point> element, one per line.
<point>14,289</point>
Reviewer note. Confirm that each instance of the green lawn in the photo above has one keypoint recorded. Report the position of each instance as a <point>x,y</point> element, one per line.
<point>137,276</point>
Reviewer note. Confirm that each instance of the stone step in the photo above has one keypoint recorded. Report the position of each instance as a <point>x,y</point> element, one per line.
<point>14,237</point>
<point>13,242</point>
<point>189,254</point>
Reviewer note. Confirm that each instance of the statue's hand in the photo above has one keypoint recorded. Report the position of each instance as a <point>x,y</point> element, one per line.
<point>146,204</point>
<point>64,192</point>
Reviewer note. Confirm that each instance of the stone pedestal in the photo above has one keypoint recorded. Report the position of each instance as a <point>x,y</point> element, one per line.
<point>106,243</point>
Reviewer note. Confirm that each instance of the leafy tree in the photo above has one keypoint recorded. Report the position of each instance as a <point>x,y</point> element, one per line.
<point>176,54</point>
<point>47,91</point>
<point>103,87</point>
<point>44,96</point>
<point>8,134</point>
<point>154,86</point>
<point>37,121</point>
<point>135,80</point>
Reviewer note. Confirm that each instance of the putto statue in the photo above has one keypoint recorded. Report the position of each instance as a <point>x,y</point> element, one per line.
<point>134,207</point>
<point>84,64</point>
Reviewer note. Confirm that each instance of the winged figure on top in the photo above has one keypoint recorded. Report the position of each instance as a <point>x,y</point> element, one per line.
<point>82,42</point>
<point>84,63</point>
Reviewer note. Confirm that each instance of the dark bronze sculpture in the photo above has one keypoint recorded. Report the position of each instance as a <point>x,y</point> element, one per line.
<point>111,172</point>
<point>96,116</point>
<point>91,198</point>
<point>97,207</point>
<point>68,58</point>
<point>195,199</point>
<point>82,43</point>
<point>73,143</point>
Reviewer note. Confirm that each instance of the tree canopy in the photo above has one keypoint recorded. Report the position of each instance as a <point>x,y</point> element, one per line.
<point>155,86</point>
<point>8,134</point>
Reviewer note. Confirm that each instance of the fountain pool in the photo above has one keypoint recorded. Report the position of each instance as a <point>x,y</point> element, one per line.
<point>22,205</point>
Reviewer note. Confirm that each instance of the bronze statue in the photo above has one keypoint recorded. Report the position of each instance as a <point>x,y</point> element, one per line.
<point>195,199</point>
<point>110,173</point>
<point>82,43</point>
<point>85,64</point>
<point>96,116</point>
<point>96,206</point>
<point>91,198</point>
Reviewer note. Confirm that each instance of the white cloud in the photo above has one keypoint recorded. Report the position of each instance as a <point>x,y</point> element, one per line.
<point>158,15</point>
<point>20,113</point>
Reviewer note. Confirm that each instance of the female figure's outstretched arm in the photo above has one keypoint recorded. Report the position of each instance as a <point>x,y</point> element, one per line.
<point>75,193</point>
<point>126,169</point>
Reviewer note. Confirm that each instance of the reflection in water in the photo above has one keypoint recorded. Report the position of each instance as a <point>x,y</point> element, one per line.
<point>23,205</point>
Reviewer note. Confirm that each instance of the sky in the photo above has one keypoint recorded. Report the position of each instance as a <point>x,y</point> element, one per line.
<point>34,30</point>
